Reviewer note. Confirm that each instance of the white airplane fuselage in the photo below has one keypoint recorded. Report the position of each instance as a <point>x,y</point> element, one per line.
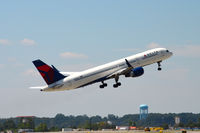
<point>101,73</point>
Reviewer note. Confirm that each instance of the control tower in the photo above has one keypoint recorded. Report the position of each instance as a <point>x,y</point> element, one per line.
<point>143,111</point>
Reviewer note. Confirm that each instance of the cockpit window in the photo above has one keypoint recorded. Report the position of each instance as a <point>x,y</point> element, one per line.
<point>167,50</point>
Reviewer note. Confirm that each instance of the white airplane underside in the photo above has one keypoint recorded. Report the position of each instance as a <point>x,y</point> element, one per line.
<point>131,66</point>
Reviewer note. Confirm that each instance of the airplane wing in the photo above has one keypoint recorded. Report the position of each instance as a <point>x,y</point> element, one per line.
<point>123,71</point>
<point>120,72</point>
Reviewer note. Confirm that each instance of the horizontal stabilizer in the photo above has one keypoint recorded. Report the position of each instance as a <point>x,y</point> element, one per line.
<point>37,87</point>
<point>68,73</point>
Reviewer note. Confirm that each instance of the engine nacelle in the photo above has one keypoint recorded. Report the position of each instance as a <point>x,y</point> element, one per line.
<point>136,72</point>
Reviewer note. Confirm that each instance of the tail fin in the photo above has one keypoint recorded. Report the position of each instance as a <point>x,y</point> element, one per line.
<point>49,74</point>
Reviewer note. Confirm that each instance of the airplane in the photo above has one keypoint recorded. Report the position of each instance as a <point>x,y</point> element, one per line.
<point>131,66</point>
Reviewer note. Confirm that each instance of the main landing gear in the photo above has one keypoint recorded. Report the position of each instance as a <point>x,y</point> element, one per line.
<point>103,85</point>
<point>117,83</point>
<point>114,85</point>
<point>159,66</point>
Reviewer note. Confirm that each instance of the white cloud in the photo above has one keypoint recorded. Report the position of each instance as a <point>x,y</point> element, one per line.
<point>153,45</point>
<point>5,42</point>
<point>69,55</point>
<point>28,42</point>
<point>187,50</point>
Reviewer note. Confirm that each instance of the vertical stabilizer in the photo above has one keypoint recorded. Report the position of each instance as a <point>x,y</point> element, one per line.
<point>49,74</point>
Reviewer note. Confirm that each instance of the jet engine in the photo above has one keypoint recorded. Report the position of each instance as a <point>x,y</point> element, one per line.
<point>136,72</point>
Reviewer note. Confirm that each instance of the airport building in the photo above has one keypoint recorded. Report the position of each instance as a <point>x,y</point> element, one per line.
<point>26,124</point>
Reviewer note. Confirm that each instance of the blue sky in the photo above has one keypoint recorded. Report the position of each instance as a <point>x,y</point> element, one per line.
<point>77,35</point>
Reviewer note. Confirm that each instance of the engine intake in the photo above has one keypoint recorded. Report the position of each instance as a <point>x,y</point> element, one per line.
<point>136,72</point>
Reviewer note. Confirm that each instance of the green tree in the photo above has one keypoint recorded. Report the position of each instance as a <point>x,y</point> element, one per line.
<point>54,129</point>
<point>181,124</point>
<point>29,124</point>
<point>165,126</point>
<point>87,125</point>
<point>134,124</point>
<point>198,123</point>
<point>190,124</point>
<point>102,125</point>
<point>41,128</point>
<point>1,127</point>
<point>9,124</point>
<point>130,123</point>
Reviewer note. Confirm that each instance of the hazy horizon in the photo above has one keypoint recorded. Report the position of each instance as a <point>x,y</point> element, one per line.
<point>77,35</point>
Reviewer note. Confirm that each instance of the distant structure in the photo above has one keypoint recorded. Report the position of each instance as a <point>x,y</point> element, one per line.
<point>143,111</point>
<point>177,120</point>
<point>26,124</point>
<point>66,129</point>
<point>25,119</point>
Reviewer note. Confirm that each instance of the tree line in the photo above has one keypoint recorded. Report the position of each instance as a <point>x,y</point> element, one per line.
<point>97,122</point>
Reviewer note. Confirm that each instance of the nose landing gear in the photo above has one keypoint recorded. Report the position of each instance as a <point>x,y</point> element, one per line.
<point>159,66</point>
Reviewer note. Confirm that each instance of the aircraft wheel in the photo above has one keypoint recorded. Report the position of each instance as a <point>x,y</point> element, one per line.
<point>115,85</point>
<point>105,85</point>
<point>118,84</point>
<point>101,86</point>
<point>159,69</point>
